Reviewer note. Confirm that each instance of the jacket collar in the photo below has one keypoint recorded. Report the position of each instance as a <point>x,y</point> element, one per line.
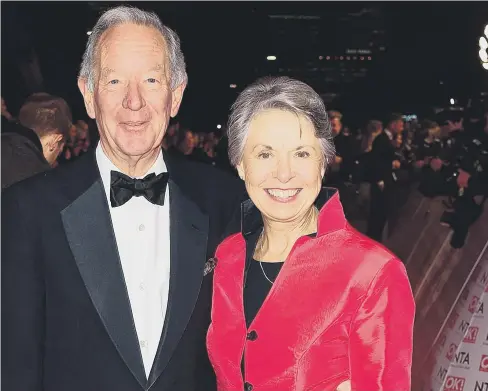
<point>331,216</point>
<point>18,129</point>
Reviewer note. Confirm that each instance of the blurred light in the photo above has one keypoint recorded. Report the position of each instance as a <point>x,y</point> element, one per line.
<point>452,101</point>
<point>483,55</point>
<point>354,58</point>
<point>486,31</point>
<point>341,58</point>
<point>483,43</point>
<point>271,58</point>
<point>485,65</point>
<point>327,58</point>
<point>321,57</point>
<point>219,126</point>
<point>361,58</point>
<point>348,58</point>
<point>369,58</point>
<point>233,86</point>
<point>441,82</point>
<point>88,33</point>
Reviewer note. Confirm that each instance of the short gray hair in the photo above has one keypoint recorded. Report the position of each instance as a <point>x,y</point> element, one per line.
<point>122,15</point>
<point>282,93</point>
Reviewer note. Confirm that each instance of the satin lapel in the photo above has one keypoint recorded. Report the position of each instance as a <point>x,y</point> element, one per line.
<point>90,234</point>
<point>189,233</point>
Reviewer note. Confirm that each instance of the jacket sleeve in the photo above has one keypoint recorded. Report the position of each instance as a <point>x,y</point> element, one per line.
<point>382,156</point>
<point>22,298</point>
<point>381,339</point>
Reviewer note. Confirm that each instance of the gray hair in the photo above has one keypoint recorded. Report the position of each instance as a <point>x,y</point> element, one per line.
<point>282,93</point>
<point>122,15</point>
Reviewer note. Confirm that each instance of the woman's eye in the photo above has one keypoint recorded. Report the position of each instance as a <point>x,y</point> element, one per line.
<point>264,155</point>
<point>152,80</point>
<point>303,154</point>
<point>113,82</point>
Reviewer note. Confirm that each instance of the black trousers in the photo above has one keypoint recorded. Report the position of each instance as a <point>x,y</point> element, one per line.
<point>378,212</point>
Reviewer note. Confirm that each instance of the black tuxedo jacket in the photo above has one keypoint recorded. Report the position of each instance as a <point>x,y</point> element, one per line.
<point>66,318</point>
<point>382,157</point>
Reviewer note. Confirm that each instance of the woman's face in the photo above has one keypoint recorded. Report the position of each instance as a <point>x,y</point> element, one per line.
<point>282,165</point>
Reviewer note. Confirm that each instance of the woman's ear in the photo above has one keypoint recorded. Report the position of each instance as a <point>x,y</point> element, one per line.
<point>241,171</point>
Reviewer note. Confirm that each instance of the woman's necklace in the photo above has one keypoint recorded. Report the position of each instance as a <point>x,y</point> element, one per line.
<point>264,274</point>
<point>260,245</point>
<point>259,248</point>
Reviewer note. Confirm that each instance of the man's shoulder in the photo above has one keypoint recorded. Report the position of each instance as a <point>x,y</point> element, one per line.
<point>64,182</point>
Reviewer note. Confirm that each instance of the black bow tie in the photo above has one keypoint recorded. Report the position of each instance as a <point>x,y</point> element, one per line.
<point>123,188</point>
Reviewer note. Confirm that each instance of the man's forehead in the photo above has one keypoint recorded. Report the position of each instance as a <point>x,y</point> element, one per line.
<point>107,70</point>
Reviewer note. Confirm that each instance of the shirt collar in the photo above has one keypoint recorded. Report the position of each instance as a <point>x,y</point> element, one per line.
<point>105,166</point>
<point>389,134</point>
<point>331,214</point>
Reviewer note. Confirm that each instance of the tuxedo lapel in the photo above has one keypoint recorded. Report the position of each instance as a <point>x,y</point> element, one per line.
<point>90,234</point>
<point>189,233</point>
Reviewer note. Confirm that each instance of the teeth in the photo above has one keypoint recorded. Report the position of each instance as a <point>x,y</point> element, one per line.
<point>282,193</point>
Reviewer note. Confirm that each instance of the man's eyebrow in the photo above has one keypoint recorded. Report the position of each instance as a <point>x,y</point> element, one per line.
<point>106,72</point>
<point>157,68</point>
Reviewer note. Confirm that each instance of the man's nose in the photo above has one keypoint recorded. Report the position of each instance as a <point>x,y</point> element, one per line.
<point>133,99</point>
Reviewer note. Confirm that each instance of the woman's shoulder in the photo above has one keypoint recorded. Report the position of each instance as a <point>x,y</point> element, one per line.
<point>230,247</point>
<point>363,256</point>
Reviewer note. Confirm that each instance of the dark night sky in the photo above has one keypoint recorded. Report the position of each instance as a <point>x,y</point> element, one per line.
<point>427,42</point>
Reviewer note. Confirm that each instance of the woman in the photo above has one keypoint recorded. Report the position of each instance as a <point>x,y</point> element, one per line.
<point>301,300</point>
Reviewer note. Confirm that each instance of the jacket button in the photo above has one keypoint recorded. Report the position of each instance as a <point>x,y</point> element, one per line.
<point>248,386</point>
<point>252,335</point>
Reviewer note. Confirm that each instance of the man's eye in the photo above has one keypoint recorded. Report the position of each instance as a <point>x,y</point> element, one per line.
<point>113,82</point>
<point>152,80</point>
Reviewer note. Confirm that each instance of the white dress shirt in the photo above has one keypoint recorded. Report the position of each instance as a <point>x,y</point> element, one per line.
<point>143,240</point>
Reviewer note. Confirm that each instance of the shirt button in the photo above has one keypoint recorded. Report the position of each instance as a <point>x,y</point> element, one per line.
<point>141,227</point>
<point>248,386</point>
<point>143,344</point>
<point>252,335</point>
<point>141,286</point>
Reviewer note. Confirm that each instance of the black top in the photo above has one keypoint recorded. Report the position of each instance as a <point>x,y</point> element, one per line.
<point>258,287</point>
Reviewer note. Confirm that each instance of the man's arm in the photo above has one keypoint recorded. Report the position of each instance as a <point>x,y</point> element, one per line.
<point>22,298</point>
<point>382,155</point>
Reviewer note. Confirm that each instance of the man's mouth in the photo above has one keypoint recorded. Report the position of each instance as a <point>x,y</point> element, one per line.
<point>134,125</point>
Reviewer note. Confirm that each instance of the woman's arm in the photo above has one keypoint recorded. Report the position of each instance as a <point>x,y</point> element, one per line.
<point>381,338</point>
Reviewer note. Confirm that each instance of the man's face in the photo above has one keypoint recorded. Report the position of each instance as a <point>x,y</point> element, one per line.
<point>132,100</point>
<point>336,125</point>
<point>397,126</point>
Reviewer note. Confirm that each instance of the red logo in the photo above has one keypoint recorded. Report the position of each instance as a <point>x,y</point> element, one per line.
<point>451,352</point>
<point>484,363</point>
<point>454,383</point>
<point>473,306</point>
<point>471,335</point>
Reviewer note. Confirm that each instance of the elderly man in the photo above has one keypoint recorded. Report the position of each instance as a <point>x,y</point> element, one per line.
<point>106,276</point>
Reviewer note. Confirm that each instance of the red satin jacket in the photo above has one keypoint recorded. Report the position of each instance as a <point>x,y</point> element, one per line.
<point>341,309</point>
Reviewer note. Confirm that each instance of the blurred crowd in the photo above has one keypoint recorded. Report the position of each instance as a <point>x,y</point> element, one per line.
<point>375,169</point>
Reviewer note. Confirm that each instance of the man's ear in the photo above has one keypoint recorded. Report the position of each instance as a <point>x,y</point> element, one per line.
<point>87,97</point>
<point>176,98</point>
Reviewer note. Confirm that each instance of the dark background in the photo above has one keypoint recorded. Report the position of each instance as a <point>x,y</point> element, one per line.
<point>422,53</point>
